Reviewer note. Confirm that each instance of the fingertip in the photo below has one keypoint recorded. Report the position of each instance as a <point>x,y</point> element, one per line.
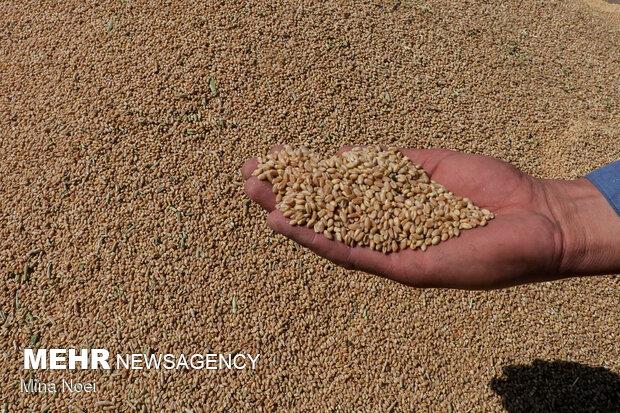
<point>261,193</point>
<point>251,164</point>
<point>249,167</point>
<point>252,189</point>
<point>276,148</point>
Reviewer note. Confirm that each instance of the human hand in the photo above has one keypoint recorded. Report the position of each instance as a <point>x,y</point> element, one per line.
<point>528,240</point>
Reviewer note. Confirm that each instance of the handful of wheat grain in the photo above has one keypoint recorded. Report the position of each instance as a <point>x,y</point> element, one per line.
<point>368,197</point>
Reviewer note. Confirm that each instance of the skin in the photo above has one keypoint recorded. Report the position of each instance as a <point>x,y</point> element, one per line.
<point>543,229</point>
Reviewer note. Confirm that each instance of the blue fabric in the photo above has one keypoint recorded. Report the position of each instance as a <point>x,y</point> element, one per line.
<point>607,180</point>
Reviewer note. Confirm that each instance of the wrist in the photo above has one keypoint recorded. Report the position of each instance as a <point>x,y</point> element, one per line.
<point>589,227</point>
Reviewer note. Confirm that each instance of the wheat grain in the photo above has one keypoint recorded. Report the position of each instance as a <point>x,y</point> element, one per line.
<point>368,197</point>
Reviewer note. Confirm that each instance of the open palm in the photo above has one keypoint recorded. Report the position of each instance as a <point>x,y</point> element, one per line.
<point>522,244</point>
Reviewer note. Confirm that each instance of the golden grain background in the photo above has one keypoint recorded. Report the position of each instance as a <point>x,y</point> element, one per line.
<point>123,222</point>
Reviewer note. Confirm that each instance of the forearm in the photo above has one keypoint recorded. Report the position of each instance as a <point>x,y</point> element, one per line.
<point>589,227</point>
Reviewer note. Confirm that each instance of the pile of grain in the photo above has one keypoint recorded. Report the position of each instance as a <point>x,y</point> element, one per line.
<point>123,222</point>
<point>368,197</point>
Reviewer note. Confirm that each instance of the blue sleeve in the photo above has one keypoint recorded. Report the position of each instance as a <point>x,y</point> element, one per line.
<point>607,180</point>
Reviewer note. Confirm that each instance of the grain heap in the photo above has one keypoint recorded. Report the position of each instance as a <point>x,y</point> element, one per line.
<point>123,222</point>
<point>368,197</point>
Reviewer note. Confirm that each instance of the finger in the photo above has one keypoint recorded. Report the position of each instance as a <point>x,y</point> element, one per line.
<point>260,192</point>
<point>276,148</point>
<point>334,251</point>
<point>427,158</point>
<point>251,164</point>
<point>373,262</point>
<point>346,148</point>
<point>359,258</point>
<point>249,167</point>
<point>414,268</point>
